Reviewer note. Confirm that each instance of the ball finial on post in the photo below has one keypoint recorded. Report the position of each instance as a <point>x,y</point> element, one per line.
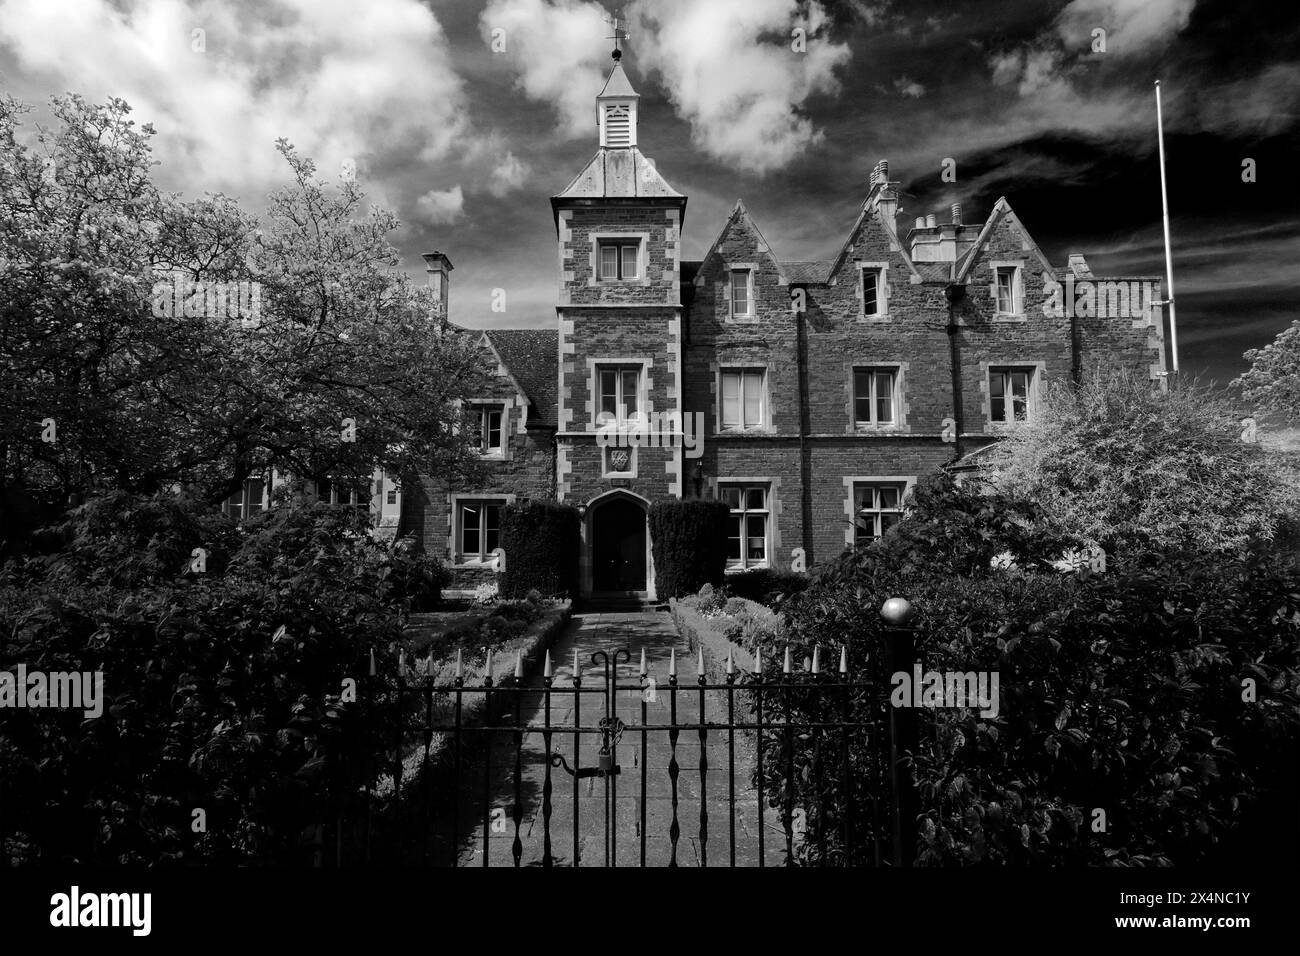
<point>897,611</point>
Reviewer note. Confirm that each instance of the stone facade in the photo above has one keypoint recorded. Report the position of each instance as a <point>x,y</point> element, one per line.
<point>822,388</point>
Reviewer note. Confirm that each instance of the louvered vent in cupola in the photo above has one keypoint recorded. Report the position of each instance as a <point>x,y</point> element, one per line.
<point>618,126</point>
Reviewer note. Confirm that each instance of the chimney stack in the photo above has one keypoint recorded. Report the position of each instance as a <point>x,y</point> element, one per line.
<point>884,193</point>
<point>881,172</point>
<point>920,222</point>
<point>439,268</point>
<point>956,214</point>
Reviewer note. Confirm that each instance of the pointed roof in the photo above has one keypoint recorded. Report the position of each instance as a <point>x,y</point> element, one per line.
<point>1001,209</point>
<point>618,173</point>
<point>531,355</point>
<point>617,84</point>
<point>739,212</point>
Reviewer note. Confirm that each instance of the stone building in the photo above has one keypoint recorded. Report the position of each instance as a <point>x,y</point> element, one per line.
<point>810,396</point>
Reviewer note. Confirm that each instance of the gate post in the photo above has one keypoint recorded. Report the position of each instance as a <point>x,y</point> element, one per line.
<point>900,655</point>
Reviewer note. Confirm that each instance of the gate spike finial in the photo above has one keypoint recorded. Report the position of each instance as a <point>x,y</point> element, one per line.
<point>699,666</point>
<point>519,665</point>
<point>786,668</point>
<point>731,664</point>
<point>487,666</point>
<point>844,659</point>
<point>817,659</point>
<point>401,662</point>
<point>372,662</point>
<point>577,674</point>
<point>643,667</point>
<point>546,671</point>
<point>672,662</point>
<point>460,665</point>
<point>758,658</point>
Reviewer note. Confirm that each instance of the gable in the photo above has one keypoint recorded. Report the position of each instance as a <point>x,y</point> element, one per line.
<point>1003,236</point>
<point>739,243</point>
<point>871,240</point>
<point>531,358</point>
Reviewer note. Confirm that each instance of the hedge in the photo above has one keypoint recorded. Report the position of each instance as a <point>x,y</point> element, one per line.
<point>542,540</point>
<point>688,539</point>
<point>769,586</point>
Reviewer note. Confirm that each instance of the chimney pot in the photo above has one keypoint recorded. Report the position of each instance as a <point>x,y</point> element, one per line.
<point>931,221</point>
<point>881,174</point>
<point>920,222</point>
<point>956,214</point>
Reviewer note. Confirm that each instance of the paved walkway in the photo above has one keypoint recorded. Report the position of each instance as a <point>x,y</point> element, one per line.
<point>707,843</point>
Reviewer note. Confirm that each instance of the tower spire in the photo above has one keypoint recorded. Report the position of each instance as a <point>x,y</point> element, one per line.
<point>618,35</point>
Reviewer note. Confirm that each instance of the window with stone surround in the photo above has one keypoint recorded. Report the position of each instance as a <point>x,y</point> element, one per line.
<point>478,529</point>
<point>742,293</point>
<point>747,525</point>
<point>248,501</point>
<point>1012,393</point>
<point>619,394</point>
<point>873,291</point>
<point>877,507</point>
<point>618,259</point>
<point>744,399</point>
<point>1008,290</point>
<point>491,430</point>
<point>875,396</point>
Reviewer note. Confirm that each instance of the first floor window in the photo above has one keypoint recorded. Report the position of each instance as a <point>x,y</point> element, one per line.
<point>619,259</point>
<point>873,292</point>
<point>491,435</point>
<point>1010,394</point>
<point>873,396</point>
<point>247,501</point>
<point>747,525</point>
<point>877,507</point>
<point>741,300</point>
<point>351,496</point>
<point>743,404</point>
<point>480,529</point>
<point>619,390</point>
<point>1008,292</point>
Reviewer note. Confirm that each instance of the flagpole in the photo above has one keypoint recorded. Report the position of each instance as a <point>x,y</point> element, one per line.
<point>1169,259</point>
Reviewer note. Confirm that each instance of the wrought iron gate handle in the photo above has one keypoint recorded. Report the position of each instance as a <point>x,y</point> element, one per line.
<point>557,760</point>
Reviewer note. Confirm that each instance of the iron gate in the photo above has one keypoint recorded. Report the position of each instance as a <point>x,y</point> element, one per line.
<point>802,799</point>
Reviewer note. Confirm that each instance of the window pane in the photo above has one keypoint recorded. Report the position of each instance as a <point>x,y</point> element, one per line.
<point>885,397</point>
<point>756,537</point>
<point>863,497</point>
<point>629,262</point>
<point>731,495</point>
<point>469,536</point>
<point>608,392</point>
<point>609,262</point>
<point>861,396</point>
<point>889,496</point>
<point>740,292</point>
<point>494,429</point>
<point>252,496</point>
<point>392,496</point>
<point>997,404</point>
<point>1006,287</point>
<point>870,292</point>
<point>1020,395</point>
<point>492,518</point>
<point>730,399</point>
<point>755,499</point>
<point>630,377</point>
<point>733,538</point>
<point>753,388</point>
<point>888,520</point>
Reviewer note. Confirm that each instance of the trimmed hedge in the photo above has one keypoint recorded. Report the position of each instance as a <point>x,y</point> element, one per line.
<point>689,544</point>
<point>542,541</point>
<point>769,586</point>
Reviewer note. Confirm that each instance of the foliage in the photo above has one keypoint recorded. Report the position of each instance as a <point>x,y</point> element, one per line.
<point>1133,467</point>
<point>224,690</point>
<point>542,541</point>
<point>1119,691</point>
<point>752,624</point>
<point>710,599</point>
<point>486,594</point>
<point>770,586</point>
<point>688,538</point>
<point>143,398</point>
<point>1272,383</point>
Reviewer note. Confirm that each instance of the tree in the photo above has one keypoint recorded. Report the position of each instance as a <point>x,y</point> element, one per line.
<point>1132,467</point>
<point>116,326</point>
<point>1272,383</point>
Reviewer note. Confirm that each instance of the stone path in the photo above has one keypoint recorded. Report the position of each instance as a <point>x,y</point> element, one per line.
<point>588,633</point>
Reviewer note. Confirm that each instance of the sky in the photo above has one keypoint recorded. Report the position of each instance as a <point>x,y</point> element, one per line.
<point>465,117</point>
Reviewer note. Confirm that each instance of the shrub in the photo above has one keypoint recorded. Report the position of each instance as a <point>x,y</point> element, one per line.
<point>769,586</point>
<point>486,594</point>
<point>710,600</point>
<point>688,539</point>
<point>542,541</point>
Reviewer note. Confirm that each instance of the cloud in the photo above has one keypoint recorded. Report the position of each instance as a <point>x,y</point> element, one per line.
<point>909,88</point>
<point>560,52</point>
<point>338,80</point>
<point>1132,26</point>
<point>731,71</point>
<point>440,207</point>
<point>508,174</point>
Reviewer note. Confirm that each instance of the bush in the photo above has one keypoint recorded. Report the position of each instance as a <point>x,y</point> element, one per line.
<point>542,541</point>
<point>710,600</point>
<point>688,539</point>
<point>1120,691</point>
<point>486,594</point>
<point>222,689</point>
<point>769,586</point>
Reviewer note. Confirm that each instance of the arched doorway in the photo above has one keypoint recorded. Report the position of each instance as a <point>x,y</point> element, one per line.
<point>618,546</point>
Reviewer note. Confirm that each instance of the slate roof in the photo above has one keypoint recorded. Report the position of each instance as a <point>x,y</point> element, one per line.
<point>815,271</point>
<point>531,355</point>
<point>618,173</point>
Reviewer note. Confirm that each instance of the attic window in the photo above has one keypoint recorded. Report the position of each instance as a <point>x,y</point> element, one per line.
<point>618,126</point>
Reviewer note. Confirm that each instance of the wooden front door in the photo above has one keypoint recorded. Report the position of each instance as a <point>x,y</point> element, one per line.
<point>618,547</point>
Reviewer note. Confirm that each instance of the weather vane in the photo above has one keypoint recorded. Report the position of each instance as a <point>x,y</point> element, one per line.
<point>617,35</point>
